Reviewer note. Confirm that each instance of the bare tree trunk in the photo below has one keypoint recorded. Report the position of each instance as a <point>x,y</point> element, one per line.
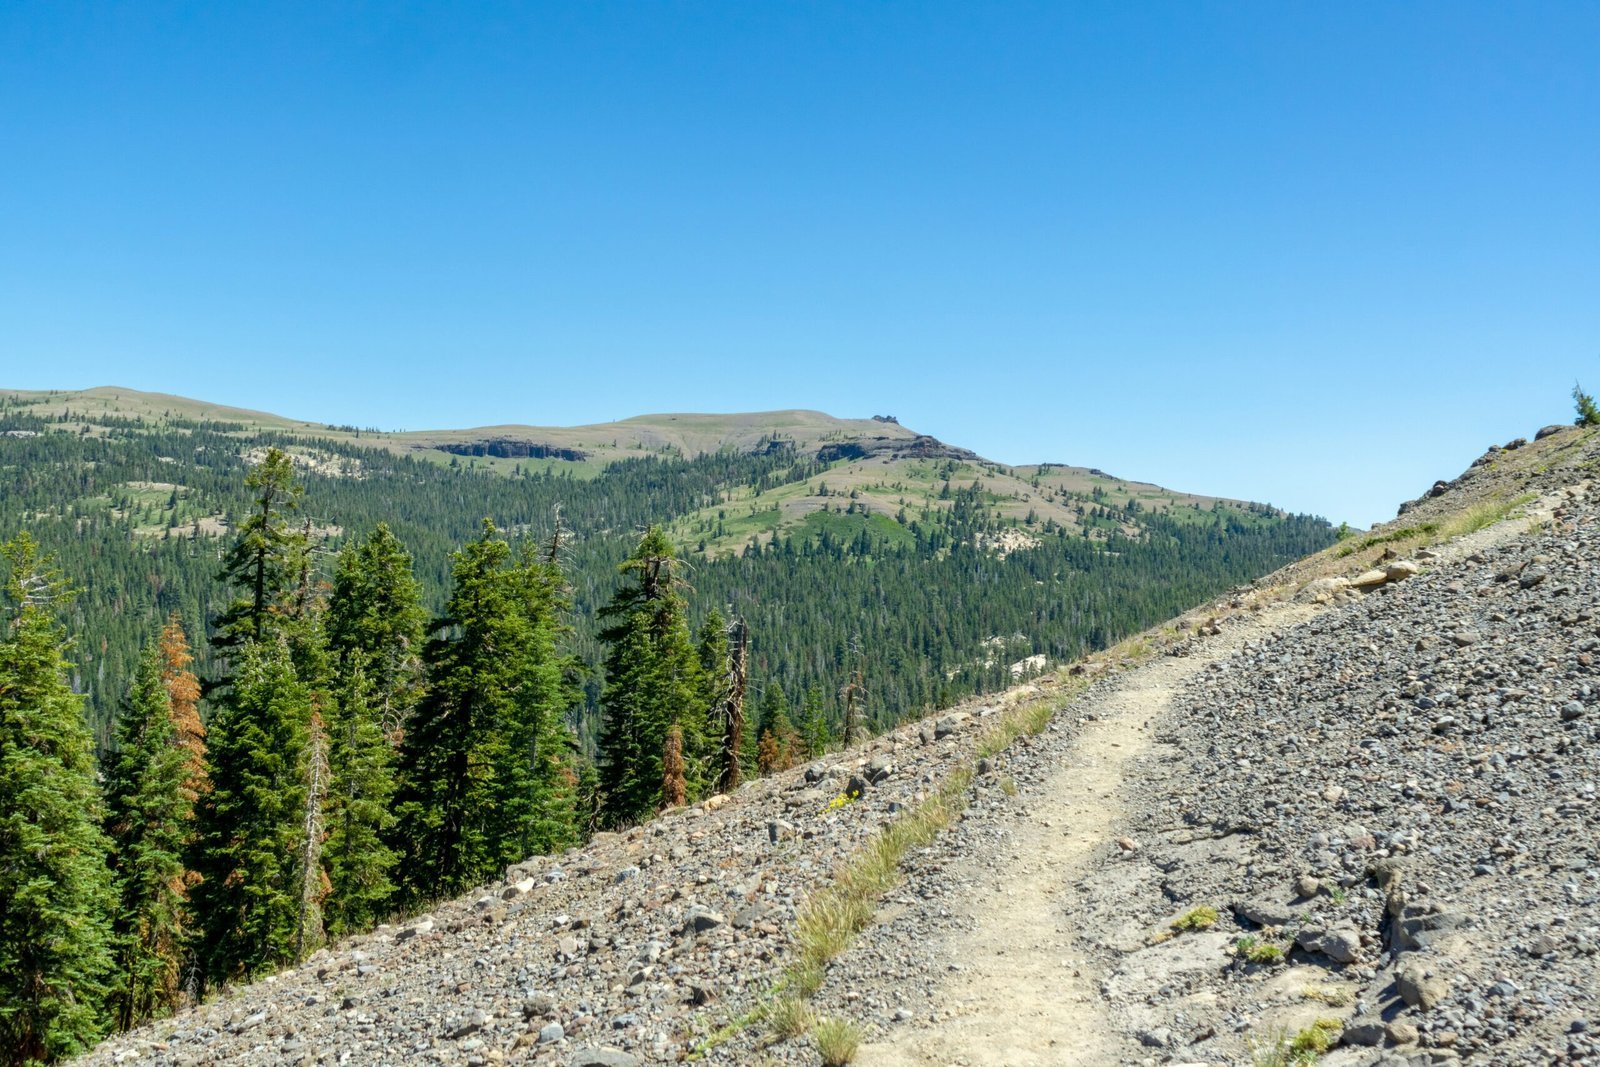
<point>853,692</point>
<point>308,932</point>
<point>674,790</point>
<point>733,708</point>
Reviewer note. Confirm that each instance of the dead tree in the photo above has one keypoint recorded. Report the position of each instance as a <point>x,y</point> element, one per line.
<point>308,931</point>
<point>674,789</point>
<point>853,693</point>
<point>732,710</point>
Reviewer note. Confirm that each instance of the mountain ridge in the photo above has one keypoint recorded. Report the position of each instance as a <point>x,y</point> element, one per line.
<point>690,433</point>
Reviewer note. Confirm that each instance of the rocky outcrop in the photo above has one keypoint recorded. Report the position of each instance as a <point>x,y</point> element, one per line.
<point>919,447</point>
<point>513,448</point>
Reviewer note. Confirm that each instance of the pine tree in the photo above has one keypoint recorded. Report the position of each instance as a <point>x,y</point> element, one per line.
<point>150,812</point>
<point>1588,411</point>
<point>815,733</point>
<point>311,884</point>
<point>778,739</point>
<point>361,783</point>
<point>55,891</point>
<point>484,777</point>
<point>375,621</point>
<point>249,825</point>
<point>652,684</point>
<point>261,562</point>
<point>183,699</point>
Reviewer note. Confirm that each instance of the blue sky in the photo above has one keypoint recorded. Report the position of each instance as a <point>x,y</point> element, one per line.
<point>1313,254</point>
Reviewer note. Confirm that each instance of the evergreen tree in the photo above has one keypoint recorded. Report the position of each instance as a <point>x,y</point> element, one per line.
<point>262,562</point>
<point>652,684</point>
<point>249,826</point>
<point>776,750</point>
<point>150,810</point>
<point>361,783</point>
<point>1588,412</point>
<point>55,890</point>
<point>183,700</point>
<point>375,621</point>
<point>484,777</point>
<point>815,733</point>
<point>311,883</point>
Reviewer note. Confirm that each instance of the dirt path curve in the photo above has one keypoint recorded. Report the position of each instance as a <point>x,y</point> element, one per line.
<point>1023,997</point>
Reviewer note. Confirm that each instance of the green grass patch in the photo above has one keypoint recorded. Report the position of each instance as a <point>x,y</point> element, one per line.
<point>1202,918</point>
<point>837,1041</point>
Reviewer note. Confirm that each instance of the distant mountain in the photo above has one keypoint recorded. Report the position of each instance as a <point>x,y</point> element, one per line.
<point>845,542</point>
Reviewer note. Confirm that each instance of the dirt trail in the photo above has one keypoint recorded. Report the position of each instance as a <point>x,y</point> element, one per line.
<point>1024,995</point>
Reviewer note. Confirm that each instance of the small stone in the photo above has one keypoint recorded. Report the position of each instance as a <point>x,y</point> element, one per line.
<point>1127,844</point>
<point>1419,989</point>
<point>701,918</point>
<point>1306,887</point>
<point>1364,1030</point>
<point>551,1032</point>
<point>879,768</point>
<point>603,1057</point>
<point>1159,1037</point>
<point>416,929</point>
<point>1572,711</point>
<point>517,889</point>
<point>1402,1033</point>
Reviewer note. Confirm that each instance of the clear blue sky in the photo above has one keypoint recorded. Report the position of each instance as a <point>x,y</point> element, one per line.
<point>1313,254</point>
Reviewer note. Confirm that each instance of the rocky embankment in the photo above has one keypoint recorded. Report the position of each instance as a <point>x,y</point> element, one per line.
<point>1400,795</point>
<point>628,951</point>
<point>1368,829</point>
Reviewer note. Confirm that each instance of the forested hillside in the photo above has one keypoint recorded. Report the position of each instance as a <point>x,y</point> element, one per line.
<point>929,572</point>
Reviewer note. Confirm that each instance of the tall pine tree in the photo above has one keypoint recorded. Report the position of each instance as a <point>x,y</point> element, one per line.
<point>484,778</point>
<point>183,698</point>
<point>262,562</point>
<point>250,824</point>
<point>361,785</point>
<point>149,817</point>
<point>55,889</point>
<point>375,621</point>
<point>653,683</point>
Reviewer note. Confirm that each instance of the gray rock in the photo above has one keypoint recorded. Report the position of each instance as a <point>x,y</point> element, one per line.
<point>551,1032</point>
<point>1267,911</point>
<point>603,1057</point>
<point>1364,1030</point>
<point>701,918</point>
<point>1419,988</point>
<point>879,768</point>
